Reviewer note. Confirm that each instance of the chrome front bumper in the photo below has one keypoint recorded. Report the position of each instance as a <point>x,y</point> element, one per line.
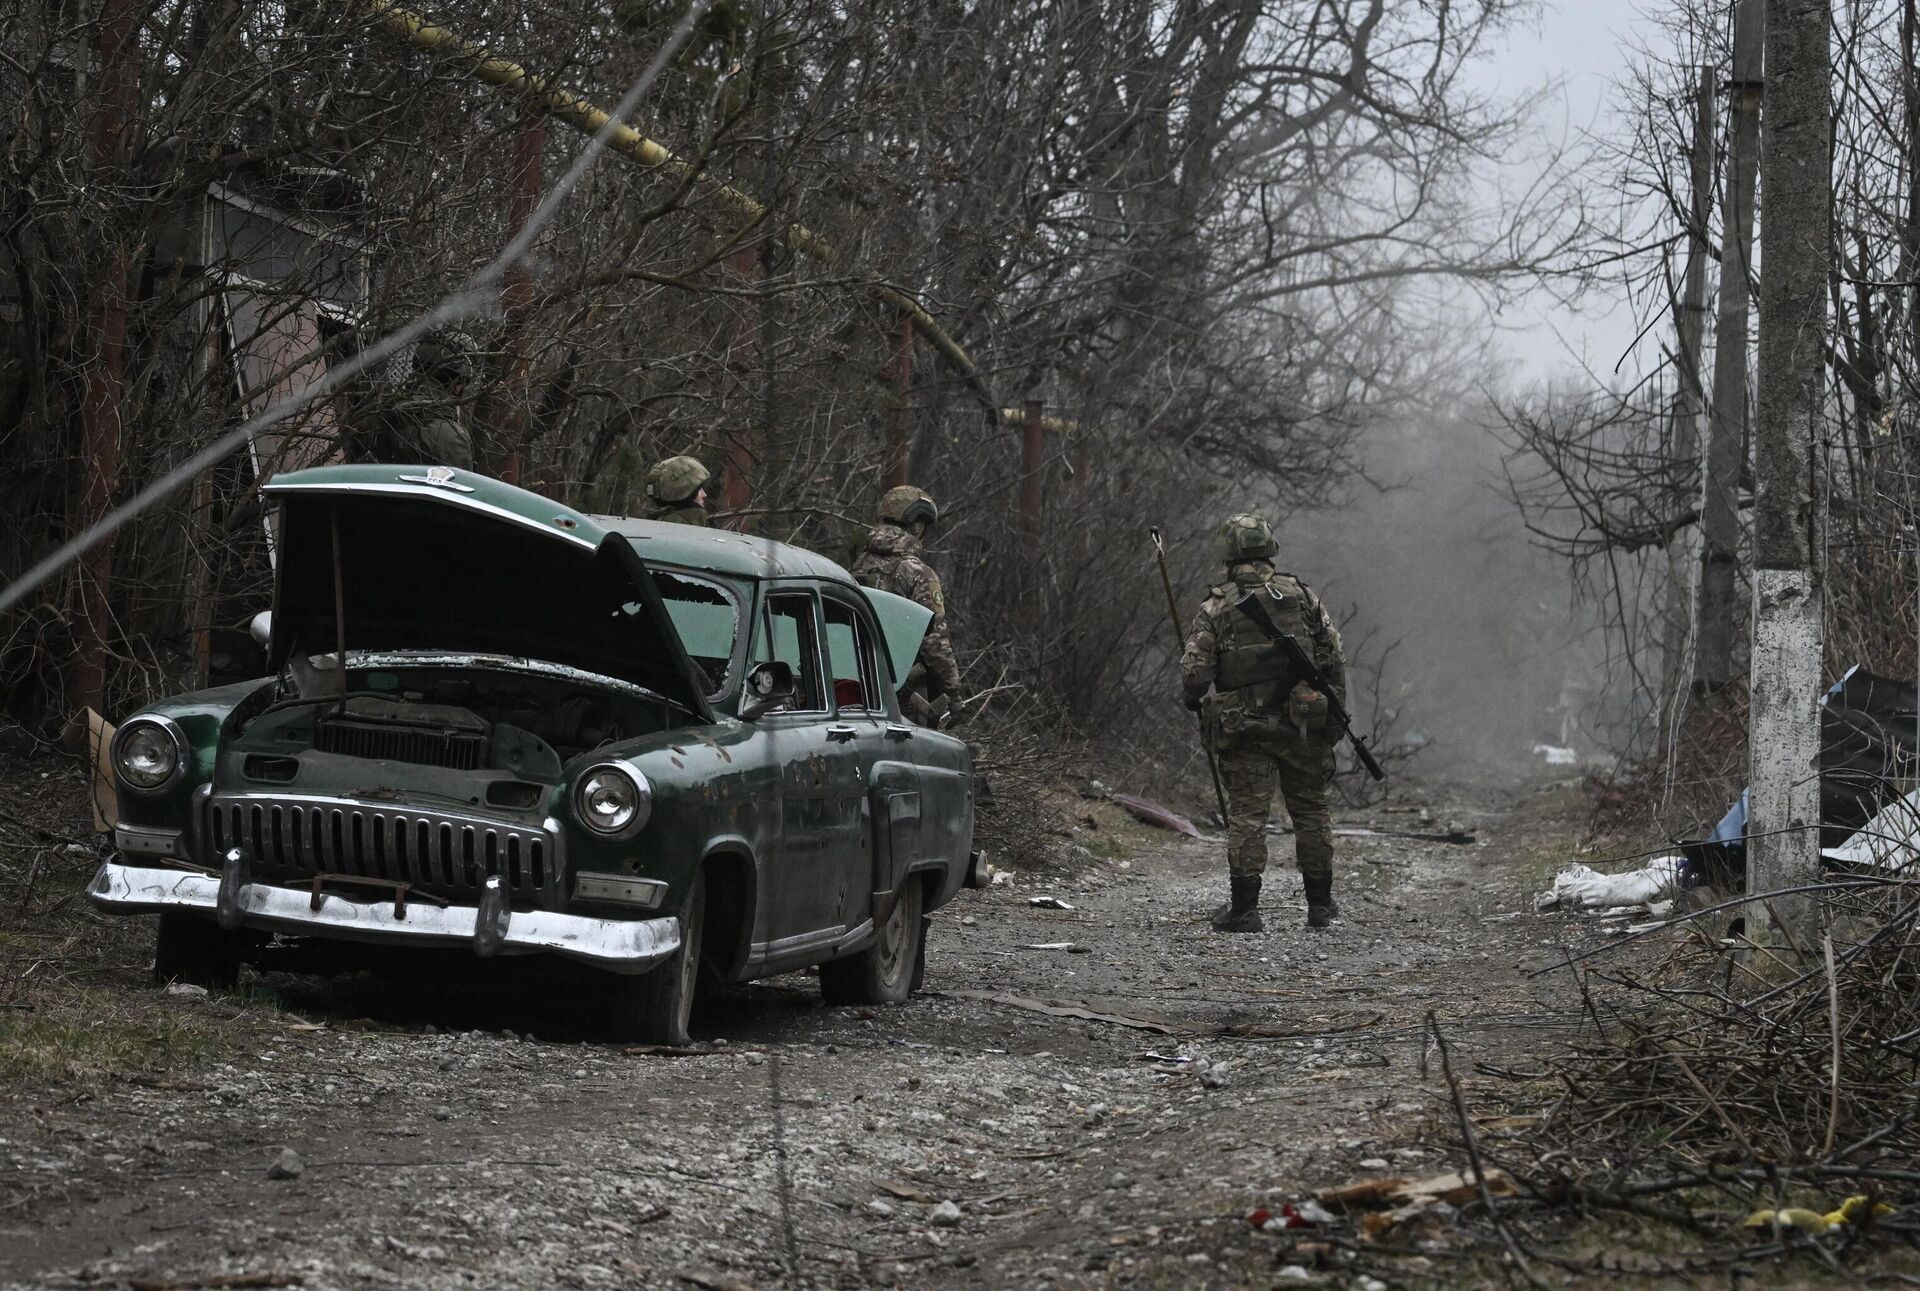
<point>491,928</point>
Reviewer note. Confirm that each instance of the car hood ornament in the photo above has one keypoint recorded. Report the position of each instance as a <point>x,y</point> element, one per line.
<point>439,477</point>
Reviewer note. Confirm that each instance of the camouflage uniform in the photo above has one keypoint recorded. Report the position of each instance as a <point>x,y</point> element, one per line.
<point>892,563</point>
<point>431,426</point>
<point>679,515</point>
<point>1267,728</point>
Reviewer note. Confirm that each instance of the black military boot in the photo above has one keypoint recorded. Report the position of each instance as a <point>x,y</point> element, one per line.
<point>1242,913</point>
<point>1320,907</point>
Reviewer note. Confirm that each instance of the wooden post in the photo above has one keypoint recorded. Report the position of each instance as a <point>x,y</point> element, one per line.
<point>736,490</point>
<point>1783,849</point>
<point>1717,614</point>
<point>119,83</point>
<point>513,415</point>
<point>1033,449</point>
<point>1683,437</point>
<point>900,421</point>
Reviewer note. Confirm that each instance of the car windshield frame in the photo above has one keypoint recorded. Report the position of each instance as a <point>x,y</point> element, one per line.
<point>736,598</point>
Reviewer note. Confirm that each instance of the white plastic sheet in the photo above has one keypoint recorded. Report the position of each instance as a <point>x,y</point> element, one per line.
<point>1581,887</point>
<point>1889,841</point>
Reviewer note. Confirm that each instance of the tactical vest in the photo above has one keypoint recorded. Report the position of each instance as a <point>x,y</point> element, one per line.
<point>1251,676</point>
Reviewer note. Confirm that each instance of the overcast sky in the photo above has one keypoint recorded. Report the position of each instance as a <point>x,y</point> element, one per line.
<point>1580,46</point>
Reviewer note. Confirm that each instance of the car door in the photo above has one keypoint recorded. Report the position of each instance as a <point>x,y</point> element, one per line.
<point>883,799</point>
<point>818,761</point>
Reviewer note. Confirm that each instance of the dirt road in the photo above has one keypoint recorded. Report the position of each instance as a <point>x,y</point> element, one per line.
<point>956,1141</point>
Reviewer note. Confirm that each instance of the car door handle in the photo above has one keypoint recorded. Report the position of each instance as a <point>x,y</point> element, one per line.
<point>895,732</point>
<point>840,734</point>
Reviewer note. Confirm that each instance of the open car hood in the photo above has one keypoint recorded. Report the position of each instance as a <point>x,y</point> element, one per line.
<point>450,561</point>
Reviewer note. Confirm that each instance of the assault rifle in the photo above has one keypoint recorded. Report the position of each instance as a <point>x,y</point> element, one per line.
<point>1305,669</point>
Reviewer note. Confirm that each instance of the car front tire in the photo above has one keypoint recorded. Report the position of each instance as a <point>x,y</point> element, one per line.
<point>886,972</point>
<point>656,1006</point>
<point>196,951</point>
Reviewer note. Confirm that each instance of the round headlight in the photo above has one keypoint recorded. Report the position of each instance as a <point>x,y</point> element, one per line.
<point>613,799</point>
<point>147,753</point>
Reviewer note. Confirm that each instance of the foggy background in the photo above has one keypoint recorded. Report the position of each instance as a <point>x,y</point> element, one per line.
<point>1487,651</point>
<point>1484,652</point>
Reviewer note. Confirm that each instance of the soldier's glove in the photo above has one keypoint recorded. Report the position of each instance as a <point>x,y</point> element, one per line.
<point>1307,708</point>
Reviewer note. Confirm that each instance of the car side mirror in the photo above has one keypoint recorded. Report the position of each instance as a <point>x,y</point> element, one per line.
<point>769,685</point>
<point>261,629</point>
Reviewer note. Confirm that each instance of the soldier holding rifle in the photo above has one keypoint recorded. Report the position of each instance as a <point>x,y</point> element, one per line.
<point>1271,714</point>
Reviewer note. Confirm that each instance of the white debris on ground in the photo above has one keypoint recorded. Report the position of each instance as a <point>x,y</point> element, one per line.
<point>1556,755</point>
<point>1581,887</point>
<point>1889,841</point>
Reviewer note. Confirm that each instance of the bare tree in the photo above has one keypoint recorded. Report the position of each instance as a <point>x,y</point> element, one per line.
<point>1796,247</point>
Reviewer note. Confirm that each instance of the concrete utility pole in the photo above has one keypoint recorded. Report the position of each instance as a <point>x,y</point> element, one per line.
<point>1714,627</point>
<point>1788,633</point>
<point>1683,427</point>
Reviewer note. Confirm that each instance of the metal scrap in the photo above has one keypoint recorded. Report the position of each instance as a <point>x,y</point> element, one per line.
<point>1145,809</point>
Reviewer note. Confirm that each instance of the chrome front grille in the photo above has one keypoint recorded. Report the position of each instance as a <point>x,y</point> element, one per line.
<point>291,839</point>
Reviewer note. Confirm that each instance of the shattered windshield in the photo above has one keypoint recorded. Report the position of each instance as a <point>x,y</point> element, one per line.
<point>707,617</point>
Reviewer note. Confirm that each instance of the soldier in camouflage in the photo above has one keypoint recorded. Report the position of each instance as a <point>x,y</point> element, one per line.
<point>430,425</point>
<point>892,563</point>
<point>1266,726</point>
<point>677,490</point>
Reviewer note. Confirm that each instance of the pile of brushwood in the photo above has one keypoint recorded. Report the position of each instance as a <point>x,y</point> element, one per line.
<point>1730,1107</point>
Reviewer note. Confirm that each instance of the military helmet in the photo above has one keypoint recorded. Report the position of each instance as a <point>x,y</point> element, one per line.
<point>447,355</point>
<point>1246,537</point>
<point>906,505</point>
<point>676,480</point>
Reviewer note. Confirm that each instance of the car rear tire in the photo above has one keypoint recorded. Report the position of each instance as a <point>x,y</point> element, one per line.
<point>196,951</point>
<point>885,972</point>
<point>656,1006</point>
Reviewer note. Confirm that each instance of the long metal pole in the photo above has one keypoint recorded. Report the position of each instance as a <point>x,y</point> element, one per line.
<point>1180,645</point>
<point>405,25</point>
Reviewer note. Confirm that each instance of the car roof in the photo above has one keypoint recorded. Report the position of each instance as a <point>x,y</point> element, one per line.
<point>689,546</point>
<point>723,552</point>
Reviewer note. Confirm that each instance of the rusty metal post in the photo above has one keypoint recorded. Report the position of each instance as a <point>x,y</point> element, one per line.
<point>119,68</point>
<point>900,423</point>
<point>1033,448</point>
<point>527,179</point>
<point>736,490</point>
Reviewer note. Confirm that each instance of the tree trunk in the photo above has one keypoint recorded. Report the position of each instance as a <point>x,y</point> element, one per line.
<point>1683,437</point>
<point>1716,626</point>
<point>511,422</point>
<point>113,124</point>
<point>1784,735</point>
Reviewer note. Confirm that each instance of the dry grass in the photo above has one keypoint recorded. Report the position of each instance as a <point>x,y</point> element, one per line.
<point>1709,1084</point>
<point>77,1004</point>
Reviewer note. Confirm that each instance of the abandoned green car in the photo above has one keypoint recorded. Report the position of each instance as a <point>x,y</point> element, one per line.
<point>504,727</point>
